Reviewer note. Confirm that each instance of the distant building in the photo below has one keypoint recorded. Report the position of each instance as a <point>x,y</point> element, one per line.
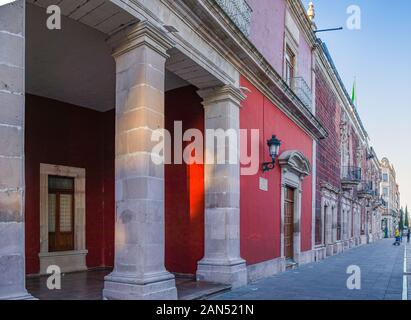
<point>391,195</point>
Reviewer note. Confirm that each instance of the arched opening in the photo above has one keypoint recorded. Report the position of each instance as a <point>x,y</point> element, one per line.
<point>70,142</point>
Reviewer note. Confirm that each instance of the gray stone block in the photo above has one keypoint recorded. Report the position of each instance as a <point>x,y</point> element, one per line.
<point>12,78</point>
<point>11,141</point>
<point>11,50</point>
<point>11,172</point>
<point>12,17</point>
<point>10,206</point>
<point>11,109</point>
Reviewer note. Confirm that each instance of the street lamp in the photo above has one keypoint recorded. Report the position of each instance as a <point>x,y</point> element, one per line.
<point>274,150</point>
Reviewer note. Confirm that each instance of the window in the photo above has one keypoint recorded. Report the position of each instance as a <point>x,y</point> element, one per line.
<point>289,66</point>
<point>352,223</point>
<point>319,232</point>
<point>385,192</point>
<point>339,225</point>
<point>61,213</point>
<point>362,222</point>
<point>385,177</point>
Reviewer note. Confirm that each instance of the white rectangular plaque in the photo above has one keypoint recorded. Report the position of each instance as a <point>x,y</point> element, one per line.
<point>263,184</point>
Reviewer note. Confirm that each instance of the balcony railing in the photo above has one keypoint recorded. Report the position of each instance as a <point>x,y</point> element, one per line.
<point>366,190</point>
<point>351,173</point>
<point>239,12</point>
<point>380,202</point>
<point>302,91</point>
<point>351,177</point>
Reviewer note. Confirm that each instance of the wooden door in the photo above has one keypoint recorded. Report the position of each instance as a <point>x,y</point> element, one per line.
<point>289,223</point>
<point>61,214</point>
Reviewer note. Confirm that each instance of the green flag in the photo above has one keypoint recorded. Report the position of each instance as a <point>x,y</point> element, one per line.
<point>354,93</point>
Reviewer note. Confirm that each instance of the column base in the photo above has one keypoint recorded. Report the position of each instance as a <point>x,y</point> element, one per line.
<point>339,247</point>
<point>330,249</point>
<point>233,272</point>
<point>23,296</point>
<point>125,287</point>
<point>265,269</point>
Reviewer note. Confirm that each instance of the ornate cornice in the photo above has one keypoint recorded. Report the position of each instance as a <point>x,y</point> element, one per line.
<point>217,94</point>
<point>295,161</point>
<point>327,69</point>
<point>329,187</point>
<point>143,33</point>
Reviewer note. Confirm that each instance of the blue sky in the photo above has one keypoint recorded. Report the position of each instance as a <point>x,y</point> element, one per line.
<point>379,56</point>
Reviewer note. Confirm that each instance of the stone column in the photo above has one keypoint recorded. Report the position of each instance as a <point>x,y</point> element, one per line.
<point>335,223</point>
<point>328,225</point>
<point>222,262</point>
<point>139,271</point>
<point>367,224</point>
<point>12,46</point>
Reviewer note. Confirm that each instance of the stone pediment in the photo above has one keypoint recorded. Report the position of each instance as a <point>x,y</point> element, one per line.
<point>294,160</point>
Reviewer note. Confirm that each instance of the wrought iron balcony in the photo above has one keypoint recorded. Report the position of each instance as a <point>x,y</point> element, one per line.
<point>366,190</point>
<point>380,202</point>
<point>351,177</point>
<point>302,91</point>
<point>239,12</point>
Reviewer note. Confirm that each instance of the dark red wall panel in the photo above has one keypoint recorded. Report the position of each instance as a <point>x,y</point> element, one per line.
<point>184,193</point>
<point>63,134</point>
<point>260,210</point>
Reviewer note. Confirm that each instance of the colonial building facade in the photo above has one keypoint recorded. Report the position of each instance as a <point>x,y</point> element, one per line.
<point>391,196</point>
<point>348,203</point>
<point>80,184</point>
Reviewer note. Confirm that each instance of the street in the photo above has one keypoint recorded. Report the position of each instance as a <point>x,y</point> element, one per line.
<point>382,277</point>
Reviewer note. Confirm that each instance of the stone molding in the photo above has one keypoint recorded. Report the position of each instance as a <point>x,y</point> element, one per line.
<point>295,161</point>
<point>294,168</point>
<point>329,189</point>
<point>144,33</point>
<point>70,260</point>
<point>224,93</point>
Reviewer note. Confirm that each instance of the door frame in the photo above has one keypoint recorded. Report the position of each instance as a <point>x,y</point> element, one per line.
<point>285,187</point>
<point>294,168</point>
<point>68,261</point>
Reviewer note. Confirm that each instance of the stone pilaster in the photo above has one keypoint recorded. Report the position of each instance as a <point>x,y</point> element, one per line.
<point>222,262</point>
<point>139,271</point>
<point>12,46</point>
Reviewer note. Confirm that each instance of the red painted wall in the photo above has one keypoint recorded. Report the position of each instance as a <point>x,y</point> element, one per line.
<point>328,111</point>
<point>260,210</point>
<point>63,134</point>
<point>184,193</point>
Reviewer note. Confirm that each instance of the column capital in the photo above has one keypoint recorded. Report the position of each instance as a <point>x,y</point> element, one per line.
<point>221,93</point>
<point>144,33</point>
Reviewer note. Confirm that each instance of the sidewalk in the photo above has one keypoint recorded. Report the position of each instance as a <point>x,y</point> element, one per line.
<point>382,272</point>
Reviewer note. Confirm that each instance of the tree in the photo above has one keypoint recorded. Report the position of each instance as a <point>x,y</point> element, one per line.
<point>407,217</point>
